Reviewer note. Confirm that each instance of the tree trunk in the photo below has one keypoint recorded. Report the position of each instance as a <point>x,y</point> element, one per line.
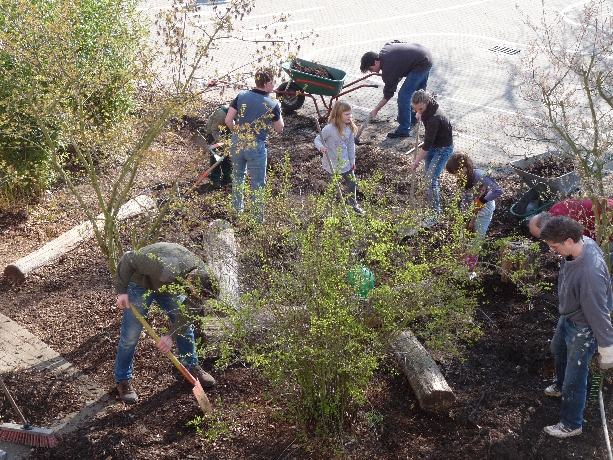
<point>221,258</point>
<point>425,377</point>
<point>516,257</point>
<point>17,271</point>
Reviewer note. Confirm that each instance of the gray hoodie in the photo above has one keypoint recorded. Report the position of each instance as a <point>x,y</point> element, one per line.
<point>584,291</point>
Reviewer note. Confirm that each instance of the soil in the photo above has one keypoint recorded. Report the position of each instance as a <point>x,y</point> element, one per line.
<point>319,71</point>
<point>549,167</point>
<point>500,410</point>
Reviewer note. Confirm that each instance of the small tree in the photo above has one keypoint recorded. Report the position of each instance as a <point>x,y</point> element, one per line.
<point>327,325</point>
<point>567,80</point>
<point>75,84</point>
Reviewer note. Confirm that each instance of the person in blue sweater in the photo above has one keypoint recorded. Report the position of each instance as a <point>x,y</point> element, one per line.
<point>255,112</point>
<point>585,304</point>
<point>477,195</point>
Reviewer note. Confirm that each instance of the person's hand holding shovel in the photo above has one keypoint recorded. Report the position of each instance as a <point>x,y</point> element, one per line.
<point>164,344</point>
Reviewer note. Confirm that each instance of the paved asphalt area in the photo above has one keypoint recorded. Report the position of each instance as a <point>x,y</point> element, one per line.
<point>475,45</point>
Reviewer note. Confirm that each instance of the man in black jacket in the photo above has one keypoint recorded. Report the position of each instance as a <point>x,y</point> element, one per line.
<point>396,61</point>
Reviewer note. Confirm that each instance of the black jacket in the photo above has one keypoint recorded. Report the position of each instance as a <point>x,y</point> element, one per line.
<point>439,132</point>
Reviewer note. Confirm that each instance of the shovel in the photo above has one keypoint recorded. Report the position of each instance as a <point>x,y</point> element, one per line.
<point>410,230</point>
<point>415,150</point>
<point>361,130</point>
<point>219,159</point>
<point>201,142</point>
<point>199,393</point>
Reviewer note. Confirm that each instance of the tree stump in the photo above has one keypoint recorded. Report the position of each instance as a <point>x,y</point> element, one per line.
<point>428,383</point>
<point>221,257</point>
<point>17,271</point>
<point>517,257</point>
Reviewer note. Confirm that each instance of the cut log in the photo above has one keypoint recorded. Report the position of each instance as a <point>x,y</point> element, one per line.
<point>221,258</point>
<point>517,261</point>
<point>17,271</point>
<point>430,387</point>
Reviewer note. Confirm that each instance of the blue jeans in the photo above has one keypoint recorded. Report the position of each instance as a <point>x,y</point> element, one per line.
<point>406,114</point>
<point>131,329</point>
<point>255,158</point>
<point>350,182</point>
<point>483,219</point>
<point>435,161</point>
<point>573,345</point>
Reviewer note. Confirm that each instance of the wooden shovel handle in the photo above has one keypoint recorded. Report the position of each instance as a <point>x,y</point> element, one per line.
<point>155,337</point>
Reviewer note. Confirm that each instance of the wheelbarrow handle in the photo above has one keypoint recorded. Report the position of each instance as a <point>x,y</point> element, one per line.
<point>190,378</point>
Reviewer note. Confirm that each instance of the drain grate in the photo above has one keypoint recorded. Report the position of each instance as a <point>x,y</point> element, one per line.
<point>504,49</point>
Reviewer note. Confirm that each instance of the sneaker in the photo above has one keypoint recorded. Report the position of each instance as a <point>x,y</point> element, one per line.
<point>553,390</point>
<point>396,134</point>
<point>206,379</point>
<point>126,393</point>
<point>562,431</point>
<point>358,210</point>
<point>429,222</point>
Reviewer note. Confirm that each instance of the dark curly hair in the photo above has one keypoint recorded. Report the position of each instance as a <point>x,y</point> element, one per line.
<point>456,162</point>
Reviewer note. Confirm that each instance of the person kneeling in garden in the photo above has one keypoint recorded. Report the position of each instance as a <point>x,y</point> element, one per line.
<point>477,196</point>
<point>178,281</point>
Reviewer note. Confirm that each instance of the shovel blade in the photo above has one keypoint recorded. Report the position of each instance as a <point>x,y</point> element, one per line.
<point>199,140</point>
<point>202,398</point>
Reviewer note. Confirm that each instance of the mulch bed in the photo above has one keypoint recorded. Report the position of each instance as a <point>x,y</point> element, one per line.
<point>500,410</point>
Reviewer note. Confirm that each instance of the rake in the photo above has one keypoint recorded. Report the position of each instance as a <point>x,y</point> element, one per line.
<point>25,433</point>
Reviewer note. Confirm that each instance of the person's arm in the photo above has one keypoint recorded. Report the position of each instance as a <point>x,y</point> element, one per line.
<point>420,156</point>
<point>277,119</point>
<point>379,106</point>
<point>351,150</point>
<point>278,125</point>
<point>232,113</point>
<point>493,190</point>
<point>319,144</point>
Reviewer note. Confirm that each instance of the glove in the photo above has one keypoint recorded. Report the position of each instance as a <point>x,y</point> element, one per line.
<point>479,204</point>
<point>605,358</point>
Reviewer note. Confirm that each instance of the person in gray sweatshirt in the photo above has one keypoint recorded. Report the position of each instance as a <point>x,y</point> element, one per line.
<point>585,304</point>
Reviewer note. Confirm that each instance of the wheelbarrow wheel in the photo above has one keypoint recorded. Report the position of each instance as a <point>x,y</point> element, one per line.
<point>290,102</point>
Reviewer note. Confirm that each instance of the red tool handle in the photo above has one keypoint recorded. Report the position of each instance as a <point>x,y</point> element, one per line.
<point>155,337</point>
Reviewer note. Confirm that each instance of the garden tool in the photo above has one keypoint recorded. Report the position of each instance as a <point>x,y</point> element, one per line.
<point>25,433</point>
<point>361,130</point>
<point>338,185</point>
<point>219,159</point>
<point>604,417</point>
<point>200,141</point>
<point>406,231</point>
<point>415,150</point>
<point>199,393</point>
<point>479,205</point>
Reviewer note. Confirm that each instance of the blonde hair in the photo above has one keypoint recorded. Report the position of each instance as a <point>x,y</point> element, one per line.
<point>335,118</point>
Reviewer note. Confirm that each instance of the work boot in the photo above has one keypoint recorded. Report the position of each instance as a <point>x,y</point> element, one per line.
<point>358,210</point>
<point>396,134</point>
<point>216,184</point>
<point>126,393</point>
<point>206,379</point>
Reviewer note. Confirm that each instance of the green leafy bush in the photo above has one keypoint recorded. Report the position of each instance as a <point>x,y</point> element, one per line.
<point>321,328</point>
<point>65,66</point>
